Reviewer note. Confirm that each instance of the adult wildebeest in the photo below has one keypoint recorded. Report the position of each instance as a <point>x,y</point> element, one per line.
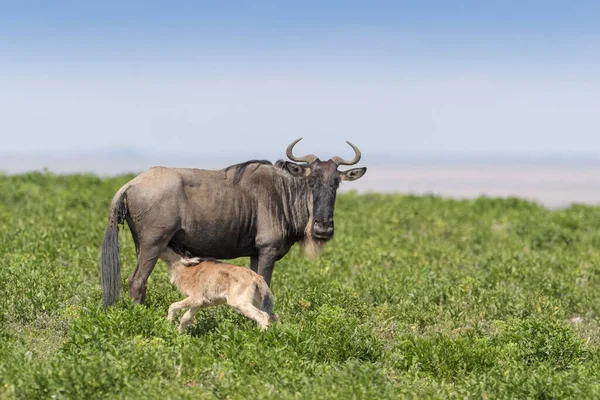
<point>253,209</point>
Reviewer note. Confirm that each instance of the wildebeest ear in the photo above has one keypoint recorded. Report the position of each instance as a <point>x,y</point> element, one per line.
<point>353,174</point>
<point>296,170</point>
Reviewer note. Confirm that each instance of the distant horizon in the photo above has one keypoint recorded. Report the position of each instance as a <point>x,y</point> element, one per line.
<point>554,183</point>
<point>377,157</point>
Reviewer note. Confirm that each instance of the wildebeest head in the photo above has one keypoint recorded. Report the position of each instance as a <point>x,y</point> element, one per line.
<point>323,178</point>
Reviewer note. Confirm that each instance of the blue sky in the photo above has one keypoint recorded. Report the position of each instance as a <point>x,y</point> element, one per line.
<point>403,78</point>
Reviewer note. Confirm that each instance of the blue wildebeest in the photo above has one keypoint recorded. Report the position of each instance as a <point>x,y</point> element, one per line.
<point>253,209</point>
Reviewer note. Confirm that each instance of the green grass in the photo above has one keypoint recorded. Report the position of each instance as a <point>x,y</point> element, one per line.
<point>416,297</point>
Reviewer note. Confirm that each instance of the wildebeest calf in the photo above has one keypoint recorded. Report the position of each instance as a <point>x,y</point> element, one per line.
<point>210,283</point>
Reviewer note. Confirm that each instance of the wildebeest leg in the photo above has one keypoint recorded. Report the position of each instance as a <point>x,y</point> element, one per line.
<point>254,264</point>
<point>266,262</point>
<point>145,264</point>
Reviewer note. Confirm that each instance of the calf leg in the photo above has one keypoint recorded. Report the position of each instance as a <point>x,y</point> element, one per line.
<point>188,317</point>
<point>250,311</point>
<point>173,308</point>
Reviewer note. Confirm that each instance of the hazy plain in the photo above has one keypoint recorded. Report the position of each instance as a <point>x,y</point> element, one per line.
<point>552,182</point>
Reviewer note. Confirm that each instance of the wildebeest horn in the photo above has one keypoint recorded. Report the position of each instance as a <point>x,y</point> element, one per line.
<point>340,161</point>
<point>307,159</point>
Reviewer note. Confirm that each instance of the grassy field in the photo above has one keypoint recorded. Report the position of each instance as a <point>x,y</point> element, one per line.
<point>416,297</point>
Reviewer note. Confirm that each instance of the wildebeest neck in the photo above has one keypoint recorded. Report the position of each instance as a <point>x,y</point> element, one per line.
<point>285,196</point>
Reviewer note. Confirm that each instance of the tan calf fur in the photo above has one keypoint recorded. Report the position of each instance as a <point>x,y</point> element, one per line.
<point>211,283</point>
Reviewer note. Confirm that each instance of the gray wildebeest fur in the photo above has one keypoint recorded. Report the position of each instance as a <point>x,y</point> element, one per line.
<point>254,209</point>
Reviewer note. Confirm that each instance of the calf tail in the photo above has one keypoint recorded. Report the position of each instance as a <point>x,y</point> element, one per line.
<point>109,264</point>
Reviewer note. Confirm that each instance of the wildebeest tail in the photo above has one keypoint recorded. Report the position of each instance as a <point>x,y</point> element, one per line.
<point>110,266</point>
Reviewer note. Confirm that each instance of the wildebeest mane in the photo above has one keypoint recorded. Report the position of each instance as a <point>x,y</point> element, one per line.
<point>241,168</point>
<point>280,164</point>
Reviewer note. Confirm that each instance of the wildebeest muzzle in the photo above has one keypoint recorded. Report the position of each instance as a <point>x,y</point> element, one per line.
<point>323,229</point>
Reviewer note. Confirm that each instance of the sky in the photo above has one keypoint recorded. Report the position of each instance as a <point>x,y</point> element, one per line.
<point>426,78</point>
